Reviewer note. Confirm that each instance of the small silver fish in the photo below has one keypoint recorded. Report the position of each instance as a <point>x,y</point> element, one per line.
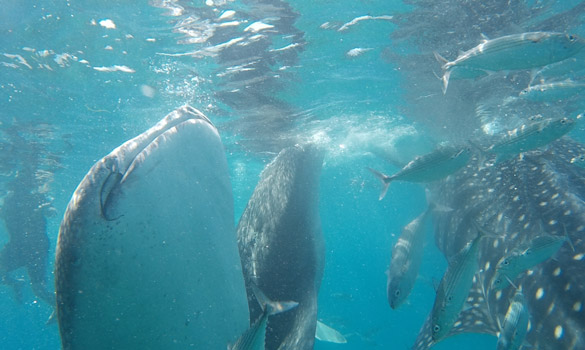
<point>406,260</point>
<point>433,166</point>
<point>572,66</point>
<point>454,288</point>
<point>555,91</point>
<point>254,338</point>
<point>515,52</point>
<point>540,249</point>
<point>531,136</point>
<point>515,326</point>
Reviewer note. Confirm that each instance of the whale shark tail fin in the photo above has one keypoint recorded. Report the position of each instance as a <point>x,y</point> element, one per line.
<point>272,307</point>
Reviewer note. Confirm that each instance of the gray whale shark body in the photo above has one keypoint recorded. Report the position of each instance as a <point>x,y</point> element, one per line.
<point>281,245</point>
<point>147,254</point>
<point>541,193</point>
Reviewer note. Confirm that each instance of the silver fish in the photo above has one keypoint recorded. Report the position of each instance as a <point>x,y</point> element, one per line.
<point>559,70</point>
<point>454,288</point>
<point>540,249</point>
<point>433,166</point>
<point>255,337</point>
<point>555,91</point>
<point>515,52</point>
<point>515,326</point>
<point>531,136</point>
<point>406,260</point>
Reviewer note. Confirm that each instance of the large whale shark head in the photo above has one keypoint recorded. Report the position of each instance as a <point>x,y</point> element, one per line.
<point>540,193</point>
<point>147,254</point>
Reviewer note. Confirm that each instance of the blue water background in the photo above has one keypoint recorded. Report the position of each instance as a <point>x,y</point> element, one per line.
<point>345,103</point>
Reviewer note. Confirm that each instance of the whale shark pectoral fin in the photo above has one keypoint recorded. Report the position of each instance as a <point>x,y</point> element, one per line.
<point>109,185</point>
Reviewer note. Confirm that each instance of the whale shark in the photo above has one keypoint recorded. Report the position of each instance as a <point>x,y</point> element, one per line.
<point>539,193</point>
<point>147,254</point>
<point>281,245</point>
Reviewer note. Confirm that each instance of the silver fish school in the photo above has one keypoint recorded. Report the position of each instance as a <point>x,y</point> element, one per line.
<point>514,52</point>
<point>433,166</point>
<point>552,91</point>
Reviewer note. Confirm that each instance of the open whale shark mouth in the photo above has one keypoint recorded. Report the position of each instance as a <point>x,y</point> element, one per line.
<point>542,193</point>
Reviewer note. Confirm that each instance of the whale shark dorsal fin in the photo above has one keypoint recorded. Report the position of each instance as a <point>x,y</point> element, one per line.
<point>327,334</point>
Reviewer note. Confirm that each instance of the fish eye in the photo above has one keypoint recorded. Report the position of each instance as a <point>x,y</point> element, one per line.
<point>397,293</point>
<point>572,38</point>
<point>506,262</point>
<point>436,328</point>
<point>498,281</point>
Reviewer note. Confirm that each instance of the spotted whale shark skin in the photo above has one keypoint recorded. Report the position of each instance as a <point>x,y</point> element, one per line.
<point>520,199</point>
<point>281,245</point>
<point>147,253</point>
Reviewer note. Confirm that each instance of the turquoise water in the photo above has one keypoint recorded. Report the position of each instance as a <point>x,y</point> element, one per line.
<point>74,87</point>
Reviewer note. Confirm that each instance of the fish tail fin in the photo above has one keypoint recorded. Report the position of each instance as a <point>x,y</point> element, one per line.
<point>325,333</point>
<point>447,72</point>
<point>269,306</point>
<point>442,60</point>
<point>385,179</point>
<point>445,79</point>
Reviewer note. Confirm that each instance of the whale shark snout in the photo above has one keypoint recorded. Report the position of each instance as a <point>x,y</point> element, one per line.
<point>147,255</point>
